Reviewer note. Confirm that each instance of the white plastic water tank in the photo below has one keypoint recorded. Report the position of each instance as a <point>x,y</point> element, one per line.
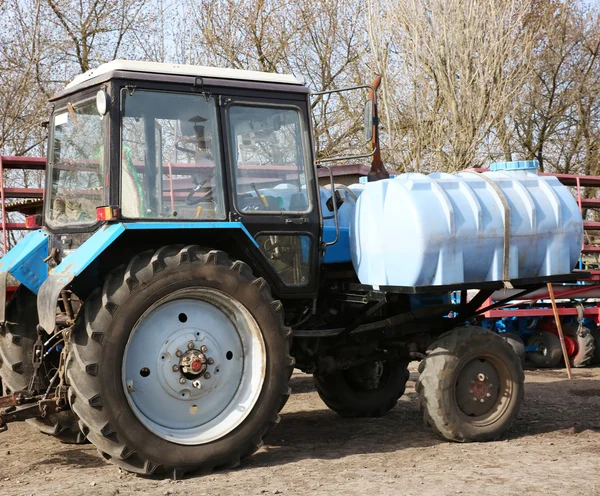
<point>444,229</point>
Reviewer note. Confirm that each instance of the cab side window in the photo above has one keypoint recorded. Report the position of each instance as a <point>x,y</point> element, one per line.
<point>269,155</point>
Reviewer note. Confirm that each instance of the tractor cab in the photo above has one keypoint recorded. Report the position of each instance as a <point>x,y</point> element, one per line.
<point>174,147</point>
<point>155,142</point>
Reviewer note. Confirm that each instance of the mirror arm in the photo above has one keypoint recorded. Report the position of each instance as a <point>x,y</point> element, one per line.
<point>378,170</point>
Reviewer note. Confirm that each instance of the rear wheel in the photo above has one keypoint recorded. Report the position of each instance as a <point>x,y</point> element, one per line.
<point>17,338</point>
<point>582,352</point>
<point>596,333</point>
<point>180,363</point>
<point>471,385</point>
<point>369,390</point>
<point>548,353</point>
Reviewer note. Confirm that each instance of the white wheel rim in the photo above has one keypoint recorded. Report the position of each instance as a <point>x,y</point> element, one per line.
<point>163,396</point>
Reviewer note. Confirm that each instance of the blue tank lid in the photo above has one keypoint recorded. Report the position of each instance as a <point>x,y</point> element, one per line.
<point>517,165</point>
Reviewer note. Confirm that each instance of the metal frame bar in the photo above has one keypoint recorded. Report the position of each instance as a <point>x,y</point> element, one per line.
<point>4,244</point>
<point>374,103</point>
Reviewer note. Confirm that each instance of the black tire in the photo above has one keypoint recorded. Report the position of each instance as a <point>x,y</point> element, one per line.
<point>516,343</point>
<point>16,365</point>
<point>586,347</point>
<point>347,394</point>
<point>101,333</point>
<point>549,353</point>
<point>596,334</point>
<point>445,386</point>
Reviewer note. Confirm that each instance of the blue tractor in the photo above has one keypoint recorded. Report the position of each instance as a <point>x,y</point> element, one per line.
<point>189,260</point>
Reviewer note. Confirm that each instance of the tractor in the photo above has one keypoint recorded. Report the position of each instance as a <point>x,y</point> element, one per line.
<point>187,261</point>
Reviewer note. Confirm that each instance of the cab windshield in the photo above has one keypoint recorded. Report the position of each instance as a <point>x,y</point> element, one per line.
<point>77,178</point>
<point>170,157</point>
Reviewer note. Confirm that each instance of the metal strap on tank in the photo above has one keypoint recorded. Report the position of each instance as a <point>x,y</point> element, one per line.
<point>506,207</point>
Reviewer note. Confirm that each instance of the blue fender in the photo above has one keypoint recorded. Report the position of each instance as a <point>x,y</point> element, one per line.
<point>25,262</point>
<point>75,263</point>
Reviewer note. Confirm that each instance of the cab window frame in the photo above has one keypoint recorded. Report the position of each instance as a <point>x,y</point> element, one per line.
<point>124,91</point>
<point>61,106</point>
<point>307,166</point>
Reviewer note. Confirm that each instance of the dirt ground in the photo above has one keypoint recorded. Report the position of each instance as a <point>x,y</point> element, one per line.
<point>552,448</point>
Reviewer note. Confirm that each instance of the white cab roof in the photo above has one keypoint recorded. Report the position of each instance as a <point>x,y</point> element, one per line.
<point>184,70</point>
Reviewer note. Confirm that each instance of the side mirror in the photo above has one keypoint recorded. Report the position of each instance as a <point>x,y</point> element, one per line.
<point>102,102</point>
<point>368,120</point>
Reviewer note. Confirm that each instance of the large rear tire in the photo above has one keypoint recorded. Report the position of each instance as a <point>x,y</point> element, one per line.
<point>369,390</point>
<point>471,385</point>
<point>179,363</point>
<point>17,338</point>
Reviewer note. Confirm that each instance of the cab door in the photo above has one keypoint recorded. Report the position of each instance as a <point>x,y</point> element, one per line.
<point>273,187</point>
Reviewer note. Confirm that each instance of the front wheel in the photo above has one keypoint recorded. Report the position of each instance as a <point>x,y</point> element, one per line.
<point>180,363</point>
<point>471,385</point>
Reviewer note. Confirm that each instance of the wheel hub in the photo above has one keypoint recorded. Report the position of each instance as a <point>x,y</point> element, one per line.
<point>368,376</point>
<point>187,375</point>
<point>193,363</point>
<point>478,388</point>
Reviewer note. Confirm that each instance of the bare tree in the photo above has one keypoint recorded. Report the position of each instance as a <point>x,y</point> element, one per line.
<point>463,65</point>
<point>557,105</point>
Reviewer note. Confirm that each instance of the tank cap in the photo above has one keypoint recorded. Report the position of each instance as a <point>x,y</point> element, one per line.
<point>513,166</point>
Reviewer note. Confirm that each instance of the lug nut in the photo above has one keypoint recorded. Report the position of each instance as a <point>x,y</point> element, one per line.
<point>178,353</point>
<point>175,368</point>
<point>481,377</point>
<point>211,361</point>
<point>182,380</point>
<point>197,384</point>
<point>191,345</point>
<point>474,399</point>
<point>203,348</point>
<point>207,375</point>
<point>487,395</point>
<point>482,400</point>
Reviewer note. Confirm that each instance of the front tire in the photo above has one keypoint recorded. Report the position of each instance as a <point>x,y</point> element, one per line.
<point>369,390</point>
<point>471,385</point>
<point>130,351</point>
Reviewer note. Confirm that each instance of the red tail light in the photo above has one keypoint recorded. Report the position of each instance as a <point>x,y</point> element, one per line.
<point>107,213</point>
<point>33,221</point>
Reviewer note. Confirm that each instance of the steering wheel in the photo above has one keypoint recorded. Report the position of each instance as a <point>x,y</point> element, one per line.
<point>190,200</point>
<point>251,203</point>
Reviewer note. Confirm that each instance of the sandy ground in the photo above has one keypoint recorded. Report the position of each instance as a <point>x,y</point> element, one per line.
<point>552,448</point>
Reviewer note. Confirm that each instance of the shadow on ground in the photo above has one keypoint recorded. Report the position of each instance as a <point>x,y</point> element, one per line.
<point>560,406</point>
<point>552,407</point>
<point>78,458</point>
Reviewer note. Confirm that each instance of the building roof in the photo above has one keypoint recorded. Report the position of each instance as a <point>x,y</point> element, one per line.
<point>184,70</point>
<point>25,206</point>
